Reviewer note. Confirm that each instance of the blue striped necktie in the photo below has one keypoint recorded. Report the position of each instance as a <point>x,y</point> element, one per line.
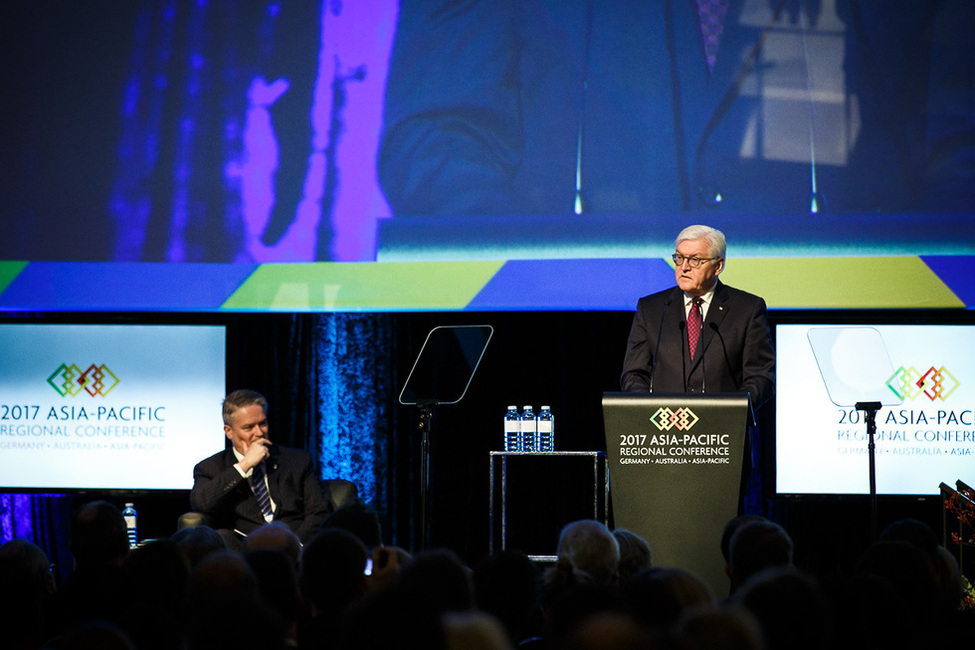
<point>260,490</point>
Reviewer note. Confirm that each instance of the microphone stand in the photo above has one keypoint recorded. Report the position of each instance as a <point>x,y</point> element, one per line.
<point>704,365</point>
<point>870,415</point>
<point>682,326</point>
<point>656,349</point>
<point>426,407</point>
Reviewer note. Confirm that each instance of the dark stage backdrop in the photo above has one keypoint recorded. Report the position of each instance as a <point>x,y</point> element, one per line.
<point>333,380</point>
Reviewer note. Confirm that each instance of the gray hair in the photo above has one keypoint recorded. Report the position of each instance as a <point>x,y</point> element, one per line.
<point>238,400</point>
<point>589,546</point>
<point>713,237</point>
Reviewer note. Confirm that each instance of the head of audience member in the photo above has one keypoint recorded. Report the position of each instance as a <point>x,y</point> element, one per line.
<point>910,576</point>
<point>588,546</point>
<point>27,589</point>
<point>98,535</point>
<point>868,613</point>
<point>438,576</point>
<point>945,567</point>
<point>35,563</point>
<point>359,521</point>
<point>757,546</point>
<point>609,631</point>
<point>277,584</point>
<point>635,554</point>
<point>506,586</point>
<point>98,587</point>
<point>914,532</point>
<point>332,577</point>
<point>721,628</point>
<point>197,542</point>
<point>474,630</point>
<point>224,588</point>
<point>158,572</point>
<point>567,604</point>
<point>790,607</point>
<point>704,246</point>
<point>388,619</point>
<point>275,536</point>
<point>245,418</point>
<point>219,575</point>
<point>659,597</point>
<point>729,530</point>
<point>100,634</point>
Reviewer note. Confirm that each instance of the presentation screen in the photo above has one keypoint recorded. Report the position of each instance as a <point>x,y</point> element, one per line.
<point>925,428</point>
<point>109,407</point>
<point>177,155</point>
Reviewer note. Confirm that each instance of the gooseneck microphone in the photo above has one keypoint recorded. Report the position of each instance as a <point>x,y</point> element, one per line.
<point>656,349</point>
<point>717,332</point>
<point>700,343</point>
<point>704,364</point>
<point>683,357</point>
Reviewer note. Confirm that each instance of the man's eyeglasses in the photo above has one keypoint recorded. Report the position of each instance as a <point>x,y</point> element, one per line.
<point>693,262</point>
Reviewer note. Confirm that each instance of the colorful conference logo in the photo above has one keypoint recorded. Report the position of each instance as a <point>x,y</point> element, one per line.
<point>70,380</point>
<point>666,419</point>
<point>934,383</point>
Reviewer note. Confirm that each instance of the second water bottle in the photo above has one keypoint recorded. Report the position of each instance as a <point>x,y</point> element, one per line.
<point>529,430</point>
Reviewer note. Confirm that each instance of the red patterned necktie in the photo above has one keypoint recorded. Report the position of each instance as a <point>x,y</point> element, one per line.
<point>694,326</point>
<point>711,15</point>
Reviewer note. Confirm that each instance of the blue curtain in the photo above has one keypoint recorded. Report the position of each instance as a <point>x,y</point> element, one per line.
<point>331,375</point>
<point>355,392</point>
<point>42,519</point>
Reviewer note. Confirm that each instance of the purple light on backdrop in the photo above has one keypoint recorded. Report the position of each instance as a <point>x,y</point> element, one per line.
<point>185,77</point>
<point>17,517</point>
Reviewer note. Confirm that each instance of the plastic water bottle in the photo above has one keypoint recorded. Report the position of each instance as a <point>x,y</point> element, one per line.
<point>512,430</point>
<point>130,524</point>
<point>546,429</point>
<point>529,430</point>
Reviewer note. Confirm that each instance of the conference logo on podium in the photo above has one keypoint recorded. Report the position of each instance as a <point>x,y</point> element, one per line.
<point>909,383</point>
<point>681,419</point>
<point>71,380</point>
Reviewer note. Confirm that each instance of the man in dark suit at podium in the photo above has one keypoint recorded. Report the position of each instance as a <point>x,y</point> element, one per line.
<point>701,336</point>
<point>254,482</point>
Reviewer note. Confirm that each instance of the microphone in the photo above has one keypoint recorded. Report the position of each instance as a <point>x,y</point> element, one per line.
<point>579,203</point>
<point>700,342</point>
<point>714,328</point>
<point>656,349</point>
<point>683,357</point>
<point>704,366</point>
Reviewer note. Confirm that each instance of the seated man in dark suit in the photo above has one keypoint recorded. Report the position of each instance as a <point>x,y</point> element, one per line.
<point>255,481</point>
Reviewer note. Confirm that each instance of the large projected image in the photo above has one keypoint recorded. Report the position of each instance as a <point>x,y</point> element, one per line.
<point>922,374</point>
<point>378,155</point>
<point>127,407</point>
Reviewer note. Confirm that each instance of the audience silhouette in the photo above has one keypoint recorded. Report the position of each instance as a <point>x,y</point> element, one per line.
<point>346,590</point>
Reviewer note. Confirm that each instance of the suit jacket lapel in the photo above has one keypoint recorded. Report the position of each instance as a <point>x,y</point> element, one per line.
<point>271,466</point>
<point>717,311</point>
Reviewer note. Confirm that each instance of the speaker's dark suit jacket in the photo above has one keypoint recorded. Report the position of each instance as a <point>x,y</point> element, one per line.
<point>738,354</point>
<point>226,498</point>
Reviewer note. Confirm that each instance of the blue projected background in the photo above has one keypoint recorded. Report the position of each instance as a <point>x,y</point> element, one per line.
<point>177,155</point>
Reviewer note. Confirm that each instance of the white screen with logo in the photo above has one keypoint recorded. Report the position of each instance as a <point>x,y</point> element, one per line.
<point>109,406</point>
<point>925,431</point>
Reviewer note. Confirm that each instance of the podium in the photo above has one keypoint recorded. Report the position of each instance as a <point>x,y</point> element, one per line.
<point>675,463</point>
